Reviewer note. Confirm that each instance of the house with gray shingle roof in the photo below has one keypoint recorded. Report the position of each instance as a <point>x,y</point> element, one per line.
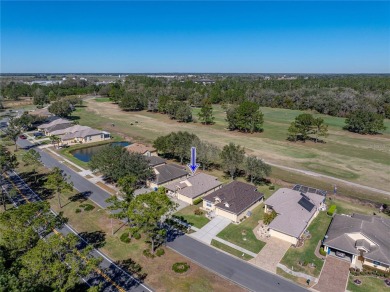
<point>234,201</point>
<point>167,173</point>
<point>295,211</point>
<point>193,187</point>
<point>86,135</point>
<point>362,238</point>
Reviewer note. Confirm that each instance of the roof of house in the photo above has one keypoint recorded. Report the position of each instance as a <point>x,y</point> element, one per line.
<point>57,127</point>
<point>139,148</point>
<point>71,129</point>
<point>195,186</point>
<point>235,197</point>
<point>168,172</point>
<point>294,209</point>
<point>43,112</point>
<point>376,229</point>
<point>155,160</point>
<point>53,123</point>
<point>82,134</point>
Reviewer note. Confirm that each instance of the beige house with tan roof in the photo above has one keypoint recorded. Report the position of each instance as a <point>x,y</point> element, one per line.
<point>197,186</point>
<point>141,149</point>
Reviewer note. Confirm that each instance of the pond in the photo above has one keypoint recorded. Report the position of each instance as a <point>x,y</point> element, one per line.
<point>85,154</point>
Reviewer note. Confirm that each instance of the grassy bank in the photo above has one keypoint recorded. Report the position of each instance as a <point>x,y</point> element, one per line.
<point>188,214</point>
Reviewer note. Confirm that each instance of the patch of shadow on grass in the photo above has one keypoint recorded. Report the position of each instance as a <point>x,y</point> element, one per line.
<point>80,197</point>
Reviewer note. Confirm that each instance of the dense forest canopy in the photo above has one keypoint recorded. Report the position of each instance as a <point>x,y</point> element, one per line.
<point>332,95</point>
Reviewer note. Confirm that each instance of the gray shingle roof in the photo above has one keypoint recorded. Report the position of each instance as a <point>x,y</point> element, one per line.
<point>235,197</point>
<point>293,215</point>
<point>82,134</point>
<point>154,160</point>
<point>374,228</point>
<point>195,186</point>
<point>57,127</point>
<point>57,121</point>
<point>168,172</point>
<point>72,129</point>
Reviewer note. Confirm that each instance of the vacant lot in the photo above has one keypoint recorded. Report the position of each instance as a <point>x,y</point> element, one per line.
<point>360,158</point>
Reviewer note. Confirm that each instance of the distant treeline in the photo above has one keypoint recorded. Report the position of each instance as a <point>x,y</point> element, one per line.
<point>332,95</point>
<point>336,96</point>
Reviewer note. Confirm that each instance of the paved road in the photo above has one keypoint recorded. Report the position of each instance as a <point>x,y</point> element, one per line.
<point>231,268</point>
<point>81,184</point>
<point>226,266</point>
<point>110,275</point>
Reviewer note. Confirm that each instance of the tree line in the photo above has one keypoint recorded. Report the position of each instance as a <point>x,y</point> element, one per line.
<point>231,158</point>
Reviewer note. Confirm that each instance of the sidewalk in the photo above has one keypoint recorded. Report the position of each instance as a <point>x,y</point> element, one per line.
<point>297,274</point>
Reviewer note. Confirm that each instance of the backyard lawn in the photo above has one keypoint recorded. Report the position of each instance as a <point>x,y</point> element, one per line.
<point>368,284</point>
<point>242,234</point>
<point>317,229</point>
<point>188,214</point>
<point>231,250</point>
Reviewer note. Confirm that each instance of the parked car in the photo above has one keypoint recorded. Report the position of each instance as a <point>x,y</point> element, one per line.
<point>23,137</point>
<point>340,254</point>
<point>38,134</point>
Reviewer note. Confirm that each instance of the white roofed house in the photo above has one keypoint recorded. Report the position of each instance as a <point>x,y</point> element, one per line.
<point>295,208</point>
<point>87,135</point>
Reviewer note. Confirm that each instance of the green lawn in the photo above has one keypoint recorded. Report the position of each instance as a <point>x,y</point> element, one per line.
<point>188,214</point>
<point>102,99</point>
<point>363,159</point>
<point>231,250</point>
<point>234,232</point>
<point>368,284</point>
<point>317,230</point>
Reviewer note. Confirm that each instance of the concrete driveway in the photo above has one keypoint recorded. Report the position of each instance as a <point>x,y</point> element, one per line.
<point>211,229</point>
<point>334,275</point>
<point>271,254</point>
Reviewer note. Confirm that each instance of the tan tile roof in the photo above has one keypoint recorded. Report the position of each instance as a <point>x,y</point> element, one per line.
<point>139,148</point>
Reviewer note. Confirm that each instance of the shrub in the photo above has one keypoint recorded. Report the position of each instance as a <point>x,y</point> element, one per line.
<point>197,201</point>
<point>268,217</point>
<point>148,254</point>
<point>331,210</point>
<point>322,251</point>
<point>271,187</point>
<point>88,207</point>
<point>180,267</point>
<point>125,237</point>
<point>198,212</point>
<point>136,235</point>
<point>160,252</point>
<point>78,210</point>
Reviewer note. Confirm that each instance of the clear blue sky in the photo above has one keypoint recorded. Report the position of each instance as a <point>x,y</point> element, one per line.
<point>140,37</point>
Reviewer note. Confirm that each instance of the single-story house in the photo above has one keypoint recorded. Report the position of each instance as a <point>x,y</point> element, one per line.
<point>193,187</point>
<point>167,173</point>
<point>295,211</point>
<point>155,161</point>
<point>54,125</point>
<point>364,239</point>
<point>43,113</point>
<point>233,201</point>
<point>88,135</point>
<point>72,129</point>
<point>141,149</point>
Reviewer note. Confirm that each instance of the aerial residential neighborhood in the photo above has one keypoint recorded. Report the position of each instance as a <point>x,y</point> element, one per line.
<point>195,146</point>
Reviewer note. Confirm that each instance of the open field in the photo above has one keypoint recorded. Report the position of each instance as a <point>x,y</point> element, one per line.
<point>361,159</point>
